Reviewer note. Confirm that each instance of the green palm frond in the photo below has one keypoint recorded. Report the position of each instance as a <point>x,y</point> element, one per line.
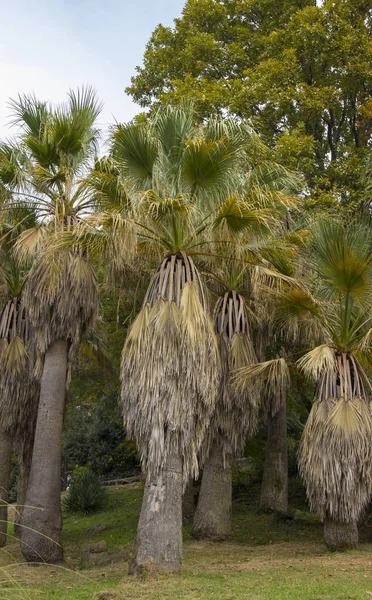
<point>173,125</point>
<point>135,150</point>
<point>159,209</point>
<point>12,162</point>
<point>207,166</point>
<point>85,105</point>
<point>106,186</point>
<point>343,259</point>
<point>30,114</point>
<point>274,177</point>
<point>238,216</point>
<point>300,315</point>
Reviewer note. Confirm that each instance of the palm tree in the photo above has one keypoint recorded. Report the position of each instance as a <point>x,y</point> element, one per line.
<point>177,174</point>
<point>234,417</point>
<point>335,456</point>
<point>257,229</point>
<point>17,400</point>
<point>61,294</point>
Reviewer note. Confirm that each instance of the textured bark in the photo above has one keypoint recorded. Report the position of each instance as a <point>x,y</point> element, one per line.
<point>213,513</point>
<point>340,536</point>
<point>274,488</point>
<point>5,461</point>
<point>23,477</point>
<point>41,519</point>
<point>188,502</point>
<point>158,544</point>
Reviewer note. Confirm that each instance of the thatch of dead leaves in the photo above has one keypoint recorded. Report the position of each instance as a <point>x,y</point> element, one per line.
<point>236,412</point>
<point>170,368</point>
<point>335,455</point>
<point>14,364</point>
<point>62,298</point>
<point>271,377</point>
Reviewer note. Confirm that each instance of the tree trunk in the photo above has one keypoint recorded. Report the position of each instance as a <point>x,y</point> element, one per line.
<point>274,488</point>
<point>340,536</point>
<point>23,477</point>
<point>5,462</point>
<point>158,543</point>
<point>42,519</point>
<point>188,502</point>
<point>213,514</point>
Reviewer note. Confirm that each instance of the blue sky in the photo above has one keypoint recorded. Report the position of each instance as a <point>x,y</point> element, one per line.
<point>50,46</point>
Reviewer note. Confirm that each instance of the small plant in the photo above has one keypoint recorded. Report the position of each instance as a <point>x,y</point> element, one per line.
<point>85,494</point>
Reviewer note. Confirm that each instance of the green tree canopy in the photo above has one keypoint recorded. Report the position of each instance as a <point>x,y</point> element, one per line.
<point>300,72</point>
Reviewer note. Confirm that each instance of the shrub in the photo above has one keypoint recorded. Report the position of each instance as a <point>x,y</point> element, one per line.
<point>85,494</point>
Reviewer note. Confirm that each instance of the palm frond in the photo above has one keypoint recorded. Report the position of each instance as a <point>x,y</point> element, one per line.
<point>135,150</point>
<point>272,376</point>
<point>299,315</point>
<point>30,114</point>
<point>238,216</point>
<point>343,258</point>
<point>30,242</point>
<point>317,361</point>
<point>207,166</point>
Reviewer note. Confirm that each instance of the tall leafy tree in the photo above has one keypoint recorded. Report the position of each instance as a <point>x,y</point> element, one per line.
<point>56,145</point>
<point>300,71</point>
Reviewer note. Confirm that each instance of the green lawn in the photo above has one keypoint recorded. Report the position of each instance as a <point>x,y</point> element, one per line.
<point>265,560</point>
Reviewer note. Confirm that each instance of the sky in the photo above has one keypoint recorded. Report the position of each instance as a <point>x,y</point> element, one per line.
<point>50,46</point>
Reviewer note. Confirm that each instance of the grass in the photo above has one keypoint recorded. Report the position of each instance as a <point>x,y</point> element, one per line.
<point>265,561</point>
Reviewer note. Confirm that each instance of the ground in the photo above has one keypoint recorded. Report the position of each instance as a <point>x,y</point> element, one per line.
<point>265,560</point>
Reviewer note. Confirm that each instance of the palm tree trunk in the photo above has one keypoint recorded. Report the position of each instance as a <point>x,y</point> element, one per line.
<point>213,513</point>
<point>5,462</point>
<point>158,544</point>
<point>340,536</point>
<point>188,502</point>
<point>41,519</point>
<point>274,488</point>
<point>23,477</point>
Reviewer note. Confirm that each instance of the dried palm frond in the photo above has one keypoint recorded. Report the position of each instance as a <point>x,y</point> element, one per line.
<point>107,236</point>
<point>236,412</point>
<point>61,297</point>
<point>29,242</point>
<point>319,360</point>
<point>169,368</point>
<point>271,377</point>
<point>335,455</point>
<point>266,278</point>
<point>14,363</point>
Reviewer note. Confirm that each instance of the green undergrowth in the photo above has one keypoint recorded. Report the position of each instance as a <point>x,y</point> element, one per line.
<point>265,560</point>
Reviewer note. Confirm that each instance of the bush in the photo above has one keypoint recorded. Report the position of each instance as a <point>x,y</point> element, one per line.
<point>85,494</point>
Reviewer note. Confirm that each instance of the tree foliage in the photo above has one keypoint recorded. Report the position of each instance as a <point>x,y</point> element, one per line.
<point>300,72</point>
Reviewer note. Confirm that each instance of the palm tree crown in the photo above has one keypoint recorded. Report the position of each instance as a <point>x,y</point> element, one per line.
<point>46,164</point>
